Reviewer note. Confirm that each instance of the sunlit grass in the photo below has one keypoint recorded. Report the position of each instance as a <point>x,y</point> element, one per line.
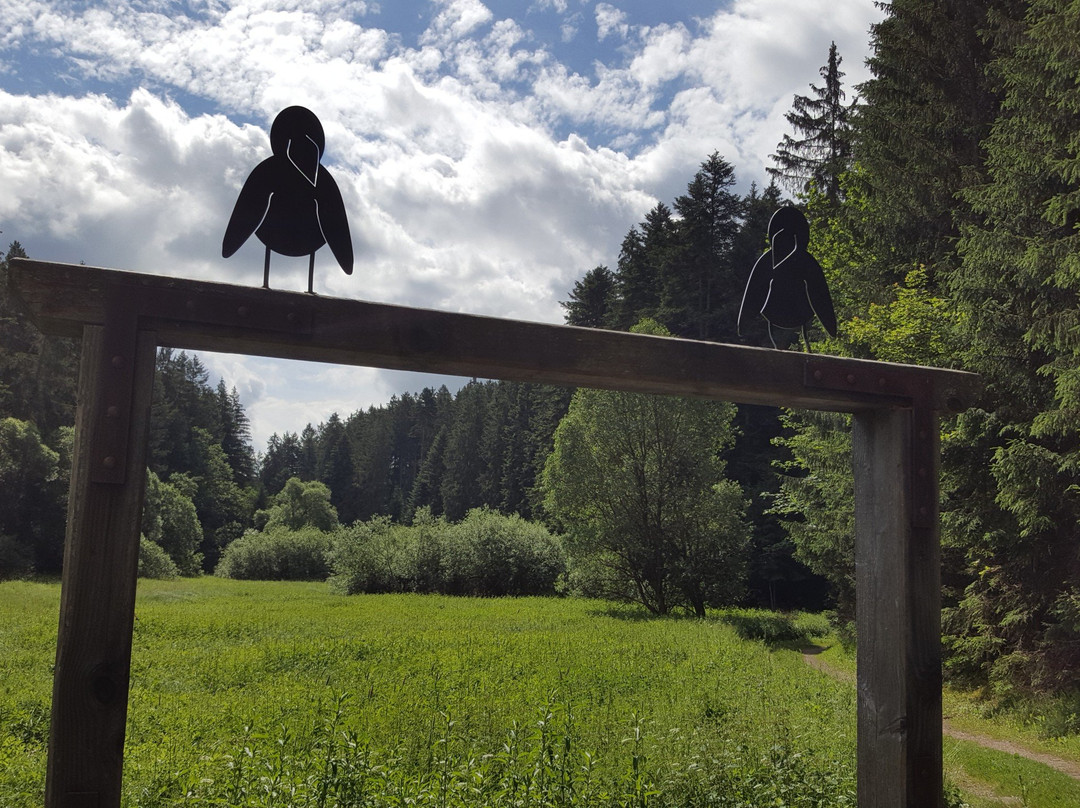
<point>261,694</point>
<point>235,682</point>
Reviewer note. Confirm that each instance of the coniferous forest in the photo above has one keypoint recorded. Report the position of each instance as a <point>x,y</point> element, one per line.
<point>944,202</point>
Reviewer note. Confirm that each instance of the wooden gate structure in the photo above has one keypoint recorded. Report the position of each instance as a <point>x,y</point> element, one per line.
<point>122,317</point>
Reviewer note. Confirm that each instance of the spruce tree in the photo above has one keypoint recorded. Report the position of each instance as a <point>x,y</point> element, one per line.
<point>1020,293</point>
<point>592,299</point>
<point>820,151</point>
<point>701,291</point>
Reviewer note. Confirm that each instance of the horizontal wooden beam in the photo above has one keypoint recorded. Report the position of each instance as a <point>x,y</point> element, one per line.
<point>200,315</point>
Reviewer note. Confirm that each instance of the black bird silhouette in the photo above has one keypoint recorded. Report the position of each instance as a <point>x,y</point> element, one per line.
<point>290,201</point>
<point>787,286</point>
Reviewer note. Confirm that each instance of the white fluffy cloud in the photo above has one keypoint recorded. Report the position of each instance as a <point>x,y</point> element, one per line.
<point>481,172</point>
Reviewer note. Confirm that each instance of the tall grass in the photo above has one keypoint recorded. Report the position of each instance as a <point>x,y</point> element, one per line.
<point>274,694</point>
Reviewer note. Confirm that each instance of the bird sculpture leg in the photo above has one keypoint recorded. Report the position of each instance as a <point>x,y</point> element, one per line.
<point>311,275</point>
<point>806,340</point>
<point>772,339</point>
<point>266,270</point>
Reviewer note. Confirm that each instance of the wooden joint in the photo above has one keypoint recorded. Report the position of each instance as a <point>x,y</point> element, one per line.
<point>914,393</point>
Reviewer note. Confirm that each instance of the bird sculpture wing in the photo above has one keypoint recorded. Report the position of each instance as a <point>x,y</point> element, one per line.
<point>250,209</point>
<point>757,289</point>
<point>333,221</point>
<point>817,291</point>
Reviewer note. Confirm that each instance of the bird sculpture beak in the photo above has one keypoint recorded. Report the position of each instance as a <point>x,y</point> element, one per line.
<point>304,155</point>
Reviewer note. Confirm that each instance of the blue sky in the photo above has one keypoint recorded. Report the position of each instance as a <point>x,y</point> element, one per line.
<point>489,153</point>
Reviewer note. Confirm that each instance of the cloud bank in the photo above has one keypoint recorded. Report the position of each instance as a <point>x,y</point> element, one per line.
<point>488,155</point>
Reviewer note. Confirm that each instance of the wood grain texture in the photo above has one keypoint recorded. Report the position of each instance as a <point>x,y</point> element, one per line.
<point>97,601</point>
<point>198,315</point>
<point>897,581</point>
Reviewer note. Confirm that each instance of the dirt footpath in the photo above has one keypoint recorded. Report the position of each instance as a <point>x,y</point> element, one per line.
<point>811,657</point>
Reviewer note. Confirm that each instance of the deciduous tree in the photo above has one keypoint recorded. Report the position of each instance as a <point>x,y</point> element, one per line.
<point>639,482</point>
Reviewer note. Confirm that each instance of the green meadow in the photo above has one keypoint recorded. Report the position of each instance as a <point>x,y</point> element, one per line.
<point>285,694</point>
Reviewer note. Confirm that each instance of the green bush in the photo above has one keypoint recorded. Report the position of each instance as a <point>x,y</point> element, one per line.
<point>494,554</point>
<point>486,554</point>
<point>154,562</point>
<point>279,554</point>
<point>369,557</point>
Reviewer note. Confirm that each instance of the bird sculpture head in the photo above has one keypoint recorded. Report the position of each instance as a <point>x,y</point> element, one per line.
<point>297,135</point>
<point>789,225</point>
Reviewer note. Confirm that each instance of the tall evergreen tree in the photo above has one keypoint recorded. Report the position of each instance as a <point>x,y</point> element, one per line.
<point>920,122</point>
<point>1020,293</point>
<point>37,373</point>
<point>820,150</point>
<point>337,471</point>
<point>236,435</point>
<point>463,463</point>
<point>643,259</point>
<point>281,461</point>
<point>701,291</point>
<point>592,299</point>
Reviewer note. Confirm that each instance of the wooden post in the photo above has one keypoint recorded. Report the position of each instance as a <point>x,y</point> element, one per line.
<point>898,623</point>
<point>97,602</point>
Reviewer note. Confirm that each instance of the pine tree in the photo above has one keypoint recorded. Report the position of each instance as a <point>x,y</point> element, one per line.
<point>336,469</point>
<point>1020,293</point>
<point>236,435</point>
<point>463,463</point>
<point>820,151</point>
<point>592,299</point>
<point>37,373</point>
<point>701,291</point>
<point>643,259</point>
<point>919,125</point>
<point>281,461</point>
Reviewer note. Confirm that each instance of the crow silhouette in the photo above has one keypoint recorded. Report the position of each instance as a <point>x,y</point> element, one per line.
<point>786,285</point>
<point>290,201</point>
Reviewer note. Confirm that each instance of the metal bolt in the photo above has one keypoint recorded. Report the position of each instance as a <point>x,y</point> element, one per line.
<point>117,361</point>
<point>109,462</point>
<point>851,378</point>
<point>818,375</point>
<point>112,412</point>
<point>242,311</point>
